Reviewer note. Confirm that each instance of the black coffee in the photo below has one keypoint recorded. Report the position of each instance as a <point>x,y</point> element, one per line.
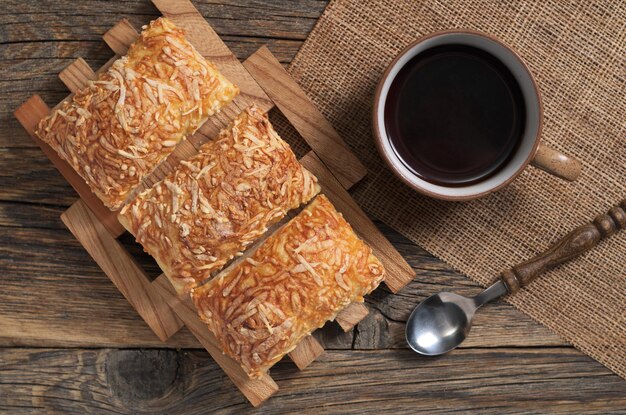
<point>455,115</point>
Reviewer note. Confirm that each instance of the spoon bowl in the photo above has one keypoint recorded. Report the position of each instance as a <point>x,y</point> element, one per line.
<point>442,321</point>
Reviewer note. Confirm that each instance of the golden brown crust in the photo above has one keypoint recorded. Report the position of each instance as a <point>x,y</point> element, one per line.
<point>120,127</point>
<point>298,279</point>
<point>220,201</point>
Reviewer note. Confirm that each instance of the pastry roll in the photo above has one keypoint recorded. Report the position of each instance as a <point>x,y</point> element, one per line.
<point>220,201</point>
<point>299,278</point>
<point>116,130</point>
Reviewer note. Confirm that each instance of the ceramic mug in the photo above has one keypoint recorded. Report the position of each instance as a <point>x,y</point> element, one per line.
<point>529,150</point>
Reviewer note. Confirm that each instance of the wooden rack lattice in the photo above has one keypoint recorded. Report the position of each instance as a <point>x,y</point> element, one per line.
<point>264,82</point>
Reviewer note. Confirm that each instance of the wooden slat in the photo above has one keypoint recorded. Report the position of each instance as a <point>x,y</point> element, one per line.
<point>118,265</point>
<point>305,117</point>
<point>306,352</point>
<point>399,272</point>
<point>76,75</point>
<point>351,316</point>
<point>120,37</point>
<point>256,390</point>
<point>29,114</point>
<point>549,380</point>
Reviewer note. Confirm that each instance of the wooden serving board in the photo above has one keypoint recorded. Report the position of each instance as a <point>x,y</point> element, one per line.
<point>263,82</point>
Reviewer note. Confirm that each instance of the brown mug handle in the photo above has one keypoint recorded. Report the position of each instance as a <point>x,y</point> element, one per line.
<point>573,244</point>
<point>556,163</point>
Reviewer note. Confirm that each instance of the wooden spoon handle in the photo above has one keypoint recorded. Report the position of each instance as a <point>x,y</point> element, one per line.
<point>573,244</point>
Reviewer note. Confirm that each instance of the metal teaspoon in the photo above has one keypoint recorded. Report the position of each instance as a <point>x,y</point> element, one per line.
<point>442,321</point>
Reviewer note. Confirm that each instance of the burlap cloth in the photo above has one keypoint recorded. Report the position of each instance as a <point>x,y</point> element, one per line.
<point>576,50</point>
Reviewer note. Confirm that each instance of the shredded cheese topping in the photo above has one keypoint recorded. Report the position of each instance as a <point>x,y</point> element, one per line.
<point>136,112</point>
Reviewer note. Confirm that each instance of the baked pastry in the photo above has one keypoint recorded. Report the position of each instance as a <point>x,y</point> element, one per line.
<point>116,130</point>
<point>220,201</point>
<point>299,278</point>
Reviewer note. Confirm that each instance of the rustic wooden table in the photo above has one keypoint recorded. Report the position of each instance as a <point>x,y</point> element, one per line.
<point>70,343</point>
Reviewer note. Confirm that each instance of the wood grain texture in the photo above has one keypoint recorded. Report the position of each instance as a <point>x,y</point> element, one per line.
<point>509,363</point>
<point>67,285</point>
<point>351,316</point>
<point>78,381</point>
<point>120,37</point>
<point>557,163</point>
<point>76,75</point>
<point>306,352</point>
<point>305,117</point>
<point>575,243</point>
<point>123,34</point>
<point>399,273</point>
<point>119,266</point>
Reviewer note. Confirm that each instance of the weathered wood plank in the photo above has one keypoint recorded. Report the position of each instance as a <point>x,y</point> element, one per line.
<point>76,75</point>
<point>283,19</point>
<point>65,290</point>
<point>65,284</point>
<point>497,381</point>
<point>307,351</point>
